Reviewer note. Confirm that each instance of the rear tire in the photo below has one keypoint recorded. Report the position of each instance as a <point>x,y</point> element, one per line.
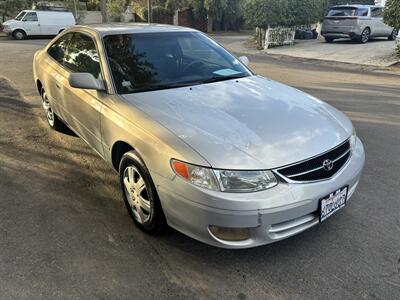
<point>393,35</point>
<point>329,39</point>
<point>365,36</point>
<point>140,195</point>
<point>19,34</point>
<point>52,119</point>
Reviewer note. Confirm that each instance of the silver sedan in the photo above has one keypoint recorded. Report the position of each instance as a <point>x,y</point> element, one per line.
<point>200,142</point>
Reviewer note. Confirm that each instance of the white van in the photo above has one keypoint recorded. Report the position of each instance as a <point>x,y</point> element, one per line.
<point>38,22</point>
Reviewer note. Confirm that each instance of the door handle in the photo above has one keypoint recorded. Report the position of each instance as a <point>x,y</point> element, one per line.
<point>57,86</point>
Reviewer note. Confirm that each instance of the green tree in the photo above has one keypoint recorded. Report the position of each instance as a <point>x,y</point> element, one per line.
<point>215,12</point>
<point>392,13</point>
<point>10,8</point>
<point>391,17</point>
<point>233,15</point>
<point>226,14</point>
<point>267,13</point>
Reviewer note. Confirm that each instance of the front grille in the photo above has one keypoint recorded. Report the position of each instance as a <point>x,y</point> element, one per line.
<point>313,169</point>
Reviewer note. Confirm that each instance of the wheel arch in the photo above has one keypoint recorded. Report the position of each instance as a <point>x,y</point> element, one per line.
<point>19,29</point>
<point>39,86</point>
<point>368,27</point>
<point>118,149</point>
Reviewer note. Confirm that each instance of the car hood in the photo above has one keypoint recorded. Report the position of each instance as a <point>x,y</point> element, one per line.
<point>9,22</point>
<point>250,123</point>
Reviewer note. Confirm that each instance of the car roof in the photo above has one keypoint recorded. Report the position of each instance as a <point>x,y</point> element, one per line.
<point>355,6</point>
<point>124,28</point>
<point>47,11</point>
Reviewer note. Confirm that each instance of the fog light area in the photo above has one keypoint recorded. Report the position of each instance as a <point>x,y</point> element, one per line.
<point>230,234</point>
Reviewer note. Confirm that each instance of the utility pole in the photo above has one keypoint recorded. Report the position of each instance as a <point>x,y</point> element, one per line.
<point>149,11</point>
<point>103,8</point>
<point>75,10</point>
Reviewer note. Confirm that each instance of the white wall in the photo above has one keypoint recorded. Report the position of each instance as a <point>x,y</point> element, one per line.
<point>380,2</point>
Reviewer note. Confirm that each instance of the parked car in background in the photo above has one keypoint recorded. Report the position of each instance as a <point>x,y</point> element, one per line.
<point>201,143</point>
<point>37,22</point>
<point>357,22</point>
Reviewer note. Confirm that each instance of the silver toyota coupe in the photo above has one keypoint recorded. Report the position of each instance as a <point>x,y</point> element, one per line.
<point>201,143</point>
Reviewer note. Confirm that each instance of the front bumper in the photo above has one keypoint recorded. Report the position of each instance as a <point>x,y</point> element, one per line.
<point>7,30</point>
<point>271,215</point>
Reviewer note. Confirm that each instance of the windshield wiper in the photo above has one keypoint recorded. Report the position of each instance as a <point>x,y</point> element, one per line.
<point>162,87</point>
<point>223,78</point>
<point>157,87</point>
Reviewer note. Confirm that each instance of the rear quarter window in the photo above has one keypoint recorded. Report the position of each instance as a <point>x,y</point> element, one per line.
<point>362,12</point>
<point>376,12</point>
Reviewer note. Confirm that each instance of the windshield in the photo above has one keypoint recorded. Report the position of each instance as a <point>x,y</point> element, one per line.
<point>20,16</point>
<point>152,61</point>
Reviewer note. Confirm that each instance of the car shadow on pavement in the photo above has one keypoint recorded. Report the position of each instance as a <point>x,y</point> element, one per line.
<point>350,41</point>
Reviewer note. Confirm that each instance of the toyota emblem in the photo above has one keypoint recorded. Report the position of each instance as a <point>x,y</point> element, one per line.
<point>327,165</point>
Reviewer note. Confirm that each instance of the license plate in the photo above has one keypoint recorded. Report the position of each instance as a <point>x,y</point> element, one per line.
<point>332,203</point>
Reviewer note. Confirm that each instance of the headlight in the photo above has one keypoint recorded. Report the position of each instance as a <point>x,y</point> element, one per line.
<point>245,181</point>
<point>229,181</point>
<point>202,177</point>
<point>353,140</point>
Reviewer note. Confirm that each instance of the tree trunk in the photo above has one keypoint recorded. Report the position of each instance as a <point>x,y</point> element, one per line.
<point>103,8</point>
<point>149,11</point>
<point>210,23</point>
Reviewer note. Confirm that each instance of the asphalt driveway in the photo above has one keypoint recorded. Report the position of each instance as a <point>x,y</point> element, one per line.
<point>379,52</point>
<point>65,233</point>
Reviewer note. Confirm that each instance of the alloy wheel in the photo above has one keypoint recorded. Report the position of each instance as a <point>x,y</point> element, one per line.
<point>365,35</point>
<point>19,35</point>
<point>136,193</point>
<point>47,108</point>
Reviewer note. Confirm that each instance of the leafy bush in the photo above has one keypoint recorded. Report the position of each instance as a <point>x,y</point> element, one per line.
<point>398,49</point>
<point>392,13</point>
<point>160,14</point>
<point>272,13</point>
<point>267,13</point>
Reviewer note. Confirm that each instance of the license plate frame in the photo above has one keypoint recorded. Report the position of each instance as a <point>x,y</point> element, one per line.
<point>337,199</point>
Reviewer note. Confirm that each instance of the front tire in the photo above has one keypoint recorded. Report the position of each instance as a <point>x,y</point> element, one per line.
<point>329,39</point>
<point>140,195</point>
<point>393,35</point>
<point>52,119</point>
<point>365,36</point>
<point>19,34</point>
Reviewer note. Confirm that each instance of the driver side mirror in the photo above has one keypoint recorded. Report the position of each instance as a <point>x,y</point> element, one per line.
<point>85,81</point>
<point>244,60</point>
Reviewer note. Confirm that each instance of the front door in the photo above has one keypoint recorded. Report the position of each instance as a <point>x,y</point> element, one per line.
<point>58,78</point>
<point>31,23</point>
<point>83,107</point>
